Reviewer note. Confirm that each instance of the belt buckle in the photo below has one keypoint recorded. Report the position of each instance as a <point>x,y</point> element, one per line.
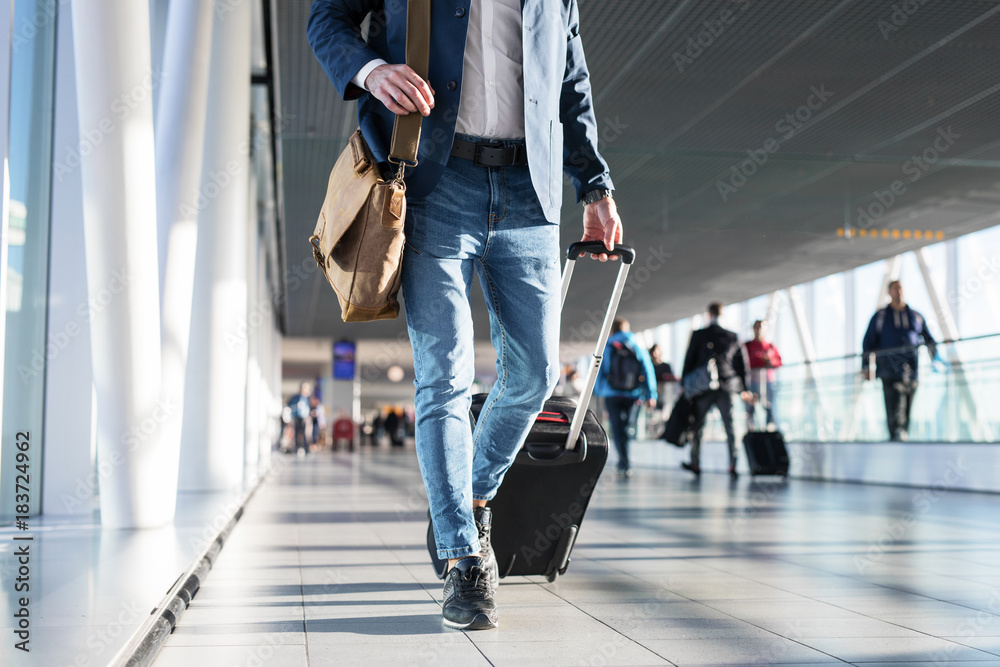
<point>480,146</point>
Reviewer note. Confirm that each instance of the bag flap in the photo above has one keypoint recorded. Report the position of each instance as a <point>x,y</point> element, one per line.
<point>350,185</point>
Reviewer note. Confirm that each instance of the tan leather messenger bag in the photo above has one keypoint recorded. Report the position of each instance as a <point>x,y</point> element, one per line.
<point>358,240</point>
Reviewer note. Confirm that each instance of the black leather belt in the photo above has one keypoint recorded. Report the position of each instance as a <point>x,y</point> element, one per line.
<point>490,154</point>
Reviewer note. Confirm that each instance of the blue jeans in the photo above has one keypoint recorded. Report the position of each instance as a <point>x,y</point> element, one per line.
<point>768,406</point>
<point>621,411</point>
<point>487,221</point>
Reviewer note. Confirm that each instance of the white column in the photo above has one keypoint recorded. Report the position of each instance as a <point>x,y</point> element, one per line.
<point>251,450</point>
<point>70,481</point>
<point>114,93</point>
<point>180,138</point>
<point>215,386</point>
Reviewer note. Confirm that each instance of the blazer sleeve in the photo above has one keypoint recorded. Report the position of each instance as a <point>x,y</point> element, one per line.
<point>584,166</point>
<point>334,34</point>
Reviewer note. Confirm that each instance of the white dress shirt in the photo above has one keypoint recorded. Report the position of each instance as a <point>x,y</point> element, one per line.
<point>492,101</point>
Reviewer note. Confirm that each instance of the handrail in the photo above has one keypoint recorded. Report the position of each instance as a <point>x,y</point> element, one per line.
<point>858,355</point>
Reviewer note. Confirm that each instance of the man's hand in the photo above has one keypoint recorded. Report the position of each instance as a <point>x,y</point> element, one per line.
<point>400,89</point>
<point>866,374</point>
<point>650,403</point>
<point>601,223</point>
<point>747,397</point>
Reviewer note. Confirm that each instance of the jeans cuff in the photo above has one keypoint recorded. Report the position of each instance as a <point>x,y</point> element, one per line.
<point>460,552</point>
<point>479,496</point>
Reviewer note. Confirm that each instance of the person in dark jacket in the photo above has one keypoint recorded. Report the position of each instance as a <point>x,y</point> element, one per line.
<point>662,372</point>
<point>622,403</point>
<point>893,338</point>
<point>722,345</point>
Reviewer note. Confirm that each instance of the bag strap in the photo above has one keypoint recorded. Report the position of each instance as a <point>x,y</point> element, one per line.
<point>406,129</point>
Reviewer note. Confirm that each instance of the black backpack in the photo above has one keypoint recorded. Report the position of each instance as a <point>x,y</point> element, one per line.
<point>625,372</point>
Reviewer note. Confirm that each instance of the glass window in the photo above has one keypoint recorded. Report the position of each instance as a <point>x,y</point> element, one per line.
<point>30,162</point>
<point>977,295</point>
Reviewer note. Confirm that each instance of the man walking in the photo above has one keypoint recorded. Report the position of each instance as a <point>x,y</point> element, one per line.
<point>722,348</point>
<point>508,109</point>
<point>626,380</point>
<point>893,336</point>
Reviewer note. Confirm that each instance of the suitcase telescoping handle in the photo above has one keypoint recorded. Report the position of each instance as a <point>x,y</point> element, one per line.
<point>627,256</point>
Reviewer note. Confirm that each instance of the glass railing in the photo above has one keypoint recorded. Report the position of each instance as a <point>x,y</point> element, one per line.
<point>957,398</point>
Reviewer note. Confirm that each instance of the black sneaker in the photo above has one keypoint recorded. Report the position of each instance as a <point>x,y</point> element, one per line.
<point>484,523</point>
<point>468,596</point>
<point>692,467</point>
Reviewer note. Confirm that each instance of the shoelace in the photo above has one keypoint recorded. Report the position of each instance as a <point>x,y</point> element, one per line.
<point>475,582</point>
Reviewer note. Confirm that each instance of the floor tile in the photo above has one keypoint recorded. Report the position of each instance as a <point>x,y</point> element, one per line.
<point>329,562</point>
<point>924,649</point>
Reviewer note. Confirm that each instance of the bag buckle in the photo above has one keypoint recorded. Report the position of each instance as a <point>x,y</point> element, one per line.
<point>317,250</point>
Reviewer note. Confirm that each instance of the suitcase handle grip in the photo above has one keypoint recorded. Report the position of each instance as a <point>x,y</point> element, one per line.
<point>627,253</point>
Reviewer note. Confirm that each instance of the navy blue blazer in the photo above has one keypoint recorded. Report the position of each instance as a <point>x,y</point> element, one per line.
<point>559,122</point>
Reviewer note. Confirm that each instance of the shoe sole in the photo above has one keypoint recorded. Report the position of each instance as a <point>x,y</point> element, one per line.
<point>480,622</point>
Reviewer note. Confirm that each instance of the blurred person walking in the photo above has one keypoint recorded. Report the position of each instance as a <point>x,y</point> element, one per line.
<point>662,374</point>
<point>714,369</point>
<point>626,381</point>
<point>301,422</point>
<point>893,337</point>
<point>763,358</point>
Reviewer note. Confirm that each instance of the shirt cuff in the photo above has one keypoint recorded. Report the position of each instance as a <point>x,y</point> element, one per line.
<point>359,78</point>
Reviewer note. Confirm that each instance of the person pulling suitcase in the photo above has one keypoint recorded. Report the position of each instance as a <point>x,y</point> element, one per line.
<point>537,511</point>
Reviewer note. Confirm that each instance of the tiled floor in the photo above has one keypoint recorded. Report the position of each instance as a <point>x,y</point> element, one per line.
<point>328,567</point>
<point>90,588</point>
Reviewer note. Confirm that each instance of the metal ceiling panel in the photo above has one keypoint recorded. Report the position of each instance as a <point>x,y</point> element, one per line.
<point>678,118</point>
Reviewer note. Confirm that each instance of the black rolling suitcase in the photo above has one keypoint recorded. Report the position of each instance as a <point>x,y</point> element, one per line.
<point>766,452</point>
<point>539,507</point>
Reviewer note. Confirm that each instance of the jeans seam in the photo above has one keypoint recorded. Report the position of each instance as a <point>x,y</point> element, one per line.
<point>502,380</point>
<point>503,187</point>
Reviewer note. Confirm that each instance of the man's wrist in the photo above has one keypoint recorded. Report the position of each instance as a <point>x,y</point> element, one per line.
<point>361,77</point>
<point>596,196</point>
